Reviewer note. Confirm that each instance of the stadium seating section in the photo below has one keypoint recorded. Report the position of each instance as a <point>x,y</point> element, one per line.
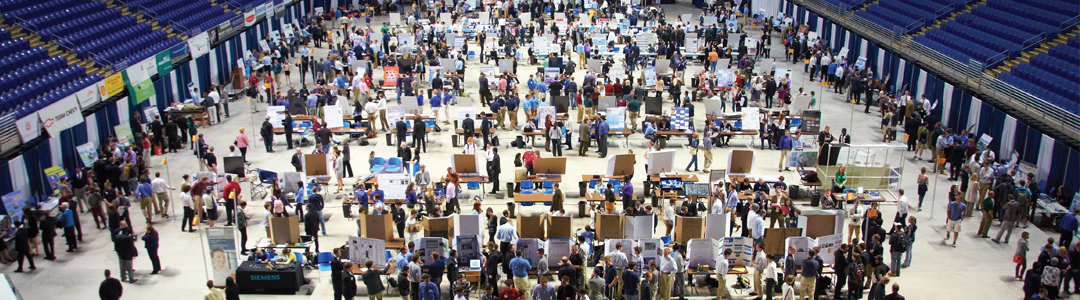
<point>909,16</point>
<point>186,15</point>
<point>1053,76</point>
<point>999,30</point>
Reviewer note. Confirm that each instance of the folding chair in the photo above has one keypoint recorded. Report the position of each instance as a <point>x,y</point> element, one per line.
<point>266,178</point>
<point>474,185</point>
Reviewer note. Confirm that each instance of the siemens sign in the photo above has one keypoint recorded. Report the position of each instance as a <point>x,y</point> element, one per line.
<point>265,277</point>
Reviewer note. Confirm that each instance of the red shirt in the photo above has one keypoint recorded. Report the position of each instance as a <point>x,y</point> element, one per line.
<point>230,187</point>
<point>529,157</point>
<point>508,294</point>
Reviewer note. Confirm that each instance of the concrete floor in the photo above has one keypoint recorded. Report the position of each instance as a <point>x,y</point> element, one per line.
<point>984,268</point>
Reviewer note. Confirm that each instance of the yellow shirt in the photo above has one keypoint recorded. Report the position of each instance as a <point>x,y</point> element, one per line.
<point>289,258</point>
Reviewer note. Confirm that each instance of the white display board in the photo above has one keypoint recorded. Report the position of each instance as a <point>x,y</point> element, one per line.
<point>802,246</point>
<point>651,249</point>
<point>333,116</point>
<point>751,119</point>
<point>528,250</point>
<point>742,250</point>
<point>556,249</point>
<point>432,244</point>
<point>661,161</point>
<point>716,225</point>
<point>638,227</point>
<point>702,252</point>
<point>362,250</point>
<point>394,185</point>
<point>628,246</point>
<point>468,224</point>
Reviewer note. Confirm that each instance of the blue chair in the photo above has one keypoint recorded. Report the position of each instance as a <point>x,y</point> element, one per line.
<point>549,185</point>
<point>394,165</point>
<point>324,260</point>
<point>526,185</point>
<point>592,183</point>
<point>378,164</point>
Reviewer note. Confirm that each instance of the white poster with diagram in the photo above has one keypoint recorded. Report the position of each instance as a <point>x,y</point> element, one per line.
<point>333,116</point>
<point>702,252</point>
<point>362,250</point>
<point>556,249</point>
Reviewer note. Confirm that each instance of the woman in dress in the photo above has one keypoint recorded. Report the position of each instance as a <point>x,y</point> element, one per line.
<point>339,168</point>
<point>924,185</point>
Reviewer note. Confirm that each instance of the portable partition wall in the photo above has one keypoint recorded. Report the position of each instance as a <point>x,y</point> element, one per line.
<point>1057,163</point>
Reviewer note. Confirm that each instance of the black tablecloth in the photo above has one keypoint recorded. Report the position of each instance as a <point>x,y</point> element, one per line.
<point>255,278</point>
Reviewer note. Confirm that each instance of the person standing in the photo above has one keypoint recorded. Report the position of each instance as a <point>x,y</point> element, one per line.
<point>22,246</point>
<point>373,280</point>
<point>48,235</point>
<point>809,276</point>
<point>584,135</point>
<point>760,263</point>
<point>722,270</point>
<point>124,244</point>
<point>241,225</point>
<point>988,216</point>
<point>150,241</point>
<point>110,288</point>
<point>311,225</point>
<point>520,269</point>
<point>161,191</point>
<point>955,213</point>
<point>667,275</point>
<point>1068,226</point>
<point>242,143</point>
<point>494,168</point>
<point>267,133</point>
<point>1011,214</point>
<point>898,244</point>
<point>67,220</point>
<point>348,281</point>
<point>189,209</point>
<point>429,290</point>
<point>601,134</point>
<point>544,291</point>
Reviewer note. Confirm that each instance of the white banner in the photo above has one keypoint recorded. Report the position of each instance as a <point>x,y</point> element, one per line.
<point>88,96</point>
<point>249,18</point>
<point>29,127</point>
<point>61,115</point>
<point>199,45</point>
<point>142,71</point>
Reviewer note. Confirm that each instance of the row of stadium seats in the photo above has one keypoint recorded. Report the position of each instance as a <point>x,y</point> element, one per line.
<point>1052,76</point>
<point>30,106</point>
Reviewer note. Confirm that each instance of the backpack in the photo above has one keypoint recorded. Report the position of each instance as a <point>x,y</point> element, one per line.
<point>1023,197</point>
<point>495,141</point>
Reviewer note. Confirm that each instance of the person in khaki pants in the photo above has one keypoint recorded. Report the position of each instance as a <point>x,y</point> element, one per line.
<point>706,151</point>
<point>721,271</point>
<point>667,276</point>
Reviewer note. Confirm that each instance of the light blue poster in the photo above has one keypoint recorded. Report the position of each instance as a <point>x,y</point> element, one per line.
<point>860,64</point>
<point>725,77</point>
<point>650,76</point>
<point>731,24</point>
<point>616,117</point>
<point>14,203</point>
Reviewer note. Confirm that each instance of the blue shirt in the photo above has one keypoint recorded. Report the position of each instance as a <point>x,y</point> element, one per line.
<point>1068,222</point>
<point>312,100</point>
<point>429,291</point>
<point>541,292</point>
<point>377,194</point>
<point>361,197</point>
<point>144,190</point>
<point>809,267</point>
<point>603,130</point>
<point>341,81</point>
<point>67,218</point>
<point>957,209</point>
<point>520,267</point>
<point>785,143</point>
<point>446,98</point>
<point>631,283</point>
<point>436,100</point>
<point>512,104</point>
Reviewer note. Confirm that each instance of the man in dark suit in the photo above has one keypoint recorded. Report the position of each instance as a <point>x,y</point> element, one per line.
<point>298,160</point>
<point>491,265</point>
<point>311,225</point>
<point>158,129</point>
<point>288,124</point>
<point>399,219</point>
<point>348,281</point>
<point>485,129</point>
<point>419,132</point>
<point>400,130</point>
<point>124,244</point>
<point>172,132</point>
<point>844,137</point>
<point>436,268</point>
<point>336,269</point>
<point>267,133</point>
<point>372,279</point>
<point>467,128</point>
<point>22,245</point>
<point>494,169</point>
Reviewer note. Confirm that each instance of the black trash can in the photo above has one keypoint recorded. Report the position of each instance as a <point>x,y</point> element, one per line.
<point>582,209</point>
<point>646,190</point>
<point>388,139</point>
<point>346,209</point>
<point>582,185</point>
<point>510,207</point>
<point>510,189</point>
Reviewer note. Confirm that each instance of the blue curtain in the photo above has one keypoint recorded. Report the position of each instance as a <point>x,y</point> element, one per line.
<point>811,22</point>
<point>956,106</point>
<point>163,96</point>
<point>1057,167</point>
<point>104,130</point>
<point>5,185</point>
<point>985,115</point>
<point>1034,142</point>
<point>252,39</point>
<point>997,129</point>
<point>1020,140</point>
<point>965,108</point>
<point>37,160</point>
<point>203,65</point>
<point>1072,169</point>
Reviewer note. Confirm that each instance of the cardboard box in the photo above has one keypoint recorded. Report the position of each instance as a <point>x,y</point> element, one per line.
<point>285,230</point>
<point>439,227</point>
<point>530,227</point>
<point>687,228</point>
<point>609,227</point>
<point>377,226</point>
<point>560,228</point>
<point>775,238</point>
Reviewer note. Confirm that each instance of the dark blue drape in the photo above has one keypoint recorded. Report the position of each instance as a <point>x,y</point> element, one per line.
<point>1034,142</point>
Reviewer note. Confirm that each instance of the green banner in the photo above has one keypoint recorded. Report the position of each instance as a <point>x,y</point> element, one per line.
<point>164,62</point>
<point>142,91</point>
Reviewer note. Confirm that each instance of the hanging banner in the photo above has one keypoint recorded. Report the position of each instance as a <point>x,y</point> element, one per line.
<point>61,115</point>
<point>164,62</point>
<point>249,18</point>
<point>29,127</point>
<point>53,174</point>
<point>223,260</point>
<point>142,91</point>
<point>88,96</point>
<point>114,85</point>
<point>87,154</point>
<point>199,45</point>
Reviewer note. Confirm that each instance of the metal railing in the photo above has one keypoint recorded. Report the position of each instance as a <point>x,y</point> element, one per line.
<point>1038,112</point>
